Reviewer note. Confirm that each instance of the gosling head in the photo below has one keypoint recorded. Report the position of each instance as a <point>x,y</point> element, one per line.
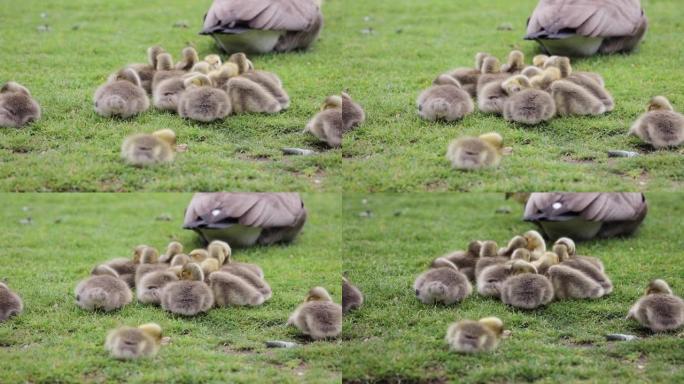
<point>560,62</point>
<point>197,80</point>
<point>658,286</point>
<point>516,84</point>
<point>521,266</point>
<point>243,63</point>
<point>214,61</point>
<point>192,271</point>
<point>104,270</point>
<point>489,248</point>
<point>659,103</point>
<point>318,294</point>
<point>491,65</point>
<point>332,102</point>
<point>569,244</point>
<point>220,250</point>
<point>199,255</point>
<point>445,79</point>
<point>443,262</point>
<point>149,256</point>
<point>535,241</point>
<point>168,136</point>
<point>539,60</point>
<point>521,254</point>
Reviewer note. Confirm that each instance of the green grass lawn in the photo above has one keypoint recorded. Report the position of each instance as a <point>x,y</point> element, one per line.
<point>411,42</point>
<point>55,341</point>
<point>394,338</point>
<point>73,149</point>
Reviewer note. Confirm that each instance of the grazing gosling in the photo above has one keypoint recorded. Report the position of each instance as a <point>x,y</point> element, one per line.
<point>468,336</point>
<point>151,285</point>
<point>189,296</point>
<point>525,288</point>
<point>442,283</point>
<point>103,290</point>
<point>526,105</point>
<point>352,113</point>
<point>318,317</point>
<point>142,150</point>
<point>10,303</point>
<point>472,153</point>
<point>121,96</point>
<point>468,77</point>
<point>327,125</point>
<point>660,126</point>
<point>127,343</point>
<point>659,309</point>
<point>466,260</point>
<point>352,298</point>
<point>202,102</point>
<point>17,106</point>
<point>445,100</point>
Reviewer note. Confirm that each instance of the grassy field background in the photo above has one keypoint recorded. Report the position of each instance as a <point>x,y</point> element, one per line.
<point>400,46</point>
<point>73,149</point>
<point>394,338</point>
<point>55,341</point>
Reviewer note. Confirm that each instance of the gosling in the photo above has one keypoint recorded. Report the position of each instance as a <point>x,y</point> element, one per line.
<point>660,126</point>
<point>525,288</point>
<point>443,283</point>
<point>659,309</point>
<point>468,336</point>
<point>445,100</point>
<point>318,317</point>
<point>122,96</point>
<point>10,303</point>
<point>127,343</point>
<point>474,153</point>
<point>352,298</point>
<point>17,107</point>
<point>143,150</point>
<point>103,290</point>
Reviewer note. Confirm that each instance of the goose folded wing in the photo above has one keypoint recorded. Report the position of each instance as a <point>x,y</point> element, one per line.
<point>236,16</point>
<point>589,18</point>
<point>263,210</point>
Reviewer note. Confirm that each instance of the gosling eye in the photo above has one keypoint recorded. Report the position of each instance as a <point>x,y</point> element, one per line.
<point>417,292</point>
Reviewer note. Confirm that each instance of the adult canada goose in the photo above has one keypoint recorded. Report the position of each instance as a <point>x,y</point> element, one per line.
<point>127,343</point>
<point>246,218</point>
<point>263,25</point>
<point>144,150</point>
<point>471,153</point>
<point>319,317</point>
<point>659,309</point>
<point>586,27</point>
<point>102,290</point>
<point>468,77</point>
<point>189,296</point>
<point>442,283</point>
<point>243,218</point>
<point>352,298</point>
<point>10,303</point>
<point>122,95</point>
<point>468,336</point>
<point>444,100</point>
<point>17,106</point>
<point>327,125</point>
<point>583,216</point>
<point>660,126</point>
<point>202,102</point>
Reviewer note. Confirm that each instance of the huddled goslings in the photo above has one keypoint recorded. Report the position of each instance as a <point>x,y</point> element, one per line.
<point>318,317</point>
<point>468,336</point>
<point>472,153</point>
<point>128,343</point>
<point>661,126</point>
<point>204,91</point>
<point>17,106</point>
<point>659,309</point>
<point>10,303</point>
<point>189,296</point>
<point>339,115</point>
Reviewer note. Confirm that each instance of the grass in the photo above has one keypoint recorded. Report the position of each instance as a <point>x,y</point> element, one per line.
<point>74,149</point>
<point>55,341</point>
<point>400,46</point>
<point>394,338</point>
